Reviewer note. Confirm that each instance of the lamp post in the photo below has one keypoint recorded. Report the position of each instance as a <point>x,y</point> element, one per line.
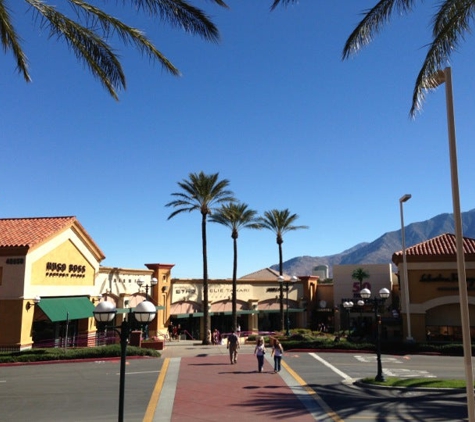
<point>445,76</point>
<point>153,282</point>
<point>348,304</point>
<point>104,313</point>
<point>376,303</point>
<point>281,280</point>
<point>405,283</point>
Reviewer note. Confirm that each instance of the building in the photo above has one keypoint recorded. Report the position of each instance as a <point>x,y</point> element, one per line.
<point>258,305</point>
<point>346,289</point>
<point>434,297</point>
<point>48,268</point>
<point>51,280</point>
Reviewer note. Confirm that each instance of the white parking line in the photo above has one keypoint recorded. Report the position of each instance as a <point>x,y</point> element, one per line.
<point>333,368</point>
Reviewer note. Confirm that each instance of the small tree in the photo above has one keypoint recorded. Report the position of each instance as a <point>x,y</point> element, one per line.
<point>360,274</point>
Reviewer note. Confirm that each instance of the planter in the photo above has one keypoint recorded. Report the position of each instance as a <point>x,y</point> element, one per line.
<point>156,344</point>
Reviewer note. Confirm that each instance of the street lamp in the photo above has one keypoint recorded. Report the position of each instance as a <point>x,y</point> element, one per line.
<point>292,280</point>
<point>376,303</point>
<point>445,76</point>
<point>104,313</point>
<point>405,283</point>
<point>348,304</point>
<point>153,282</point>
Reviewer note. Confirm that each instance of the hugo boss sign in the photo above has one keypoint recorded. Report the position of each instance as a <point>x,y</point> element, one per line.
<point>65,270</point>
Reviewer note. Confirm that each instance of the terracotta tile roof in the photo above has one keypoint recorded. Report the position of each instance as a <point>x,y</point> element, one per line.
<point>267,274</point>
<point>29,232</point>
<point>439,246</point>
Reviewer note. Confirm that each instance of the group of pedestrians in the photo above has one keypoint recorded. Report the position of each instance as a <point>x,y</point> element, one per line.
<point>174,331</point>
<point>259,351</point>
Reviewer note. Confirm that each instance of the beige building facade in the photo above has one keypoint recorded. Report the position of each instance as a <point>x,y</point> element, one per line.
<point>434,296</point>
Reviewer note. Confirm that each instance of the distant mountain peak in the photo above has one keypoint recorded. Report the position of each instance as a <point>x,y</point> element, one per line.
<point>381,250</point>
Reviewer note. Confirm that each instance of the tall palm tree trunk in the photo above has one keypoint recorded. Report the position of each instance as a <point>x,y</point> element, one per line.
<point>207,322</point>
<point>234,283</point>
<point>281,288</point>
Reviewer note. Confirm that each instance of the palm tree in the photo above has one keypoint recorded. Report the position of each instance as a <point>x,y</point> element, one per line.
<point>360,274</point>
<point>450,25</point>
<point>451,22</point>
<point>88,31</point>
<point>280,222</point>
<point>235,216</point>
<point>201,192</point>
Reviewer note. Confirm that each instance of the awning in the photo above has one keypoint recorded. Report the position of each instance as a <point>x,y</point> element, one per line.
<point>200,314</point>
<point>276,311</point>
<point>191,315</point>
<point>66,308</point>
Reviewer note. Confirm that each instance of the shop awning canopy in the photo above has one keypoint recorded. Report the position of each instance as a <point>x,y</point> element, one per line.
<point>66,308</point>
<point>276,311</point>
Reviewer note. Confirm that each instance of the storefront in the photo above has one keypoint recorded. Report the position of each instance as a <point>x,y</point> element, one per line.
<point>257,303</point>
<point>47,279</point>
<point>434,297</point>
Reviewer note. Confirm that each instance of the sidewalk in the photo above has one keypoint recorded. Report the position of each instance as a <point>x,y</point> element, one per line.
<point>198,383</point>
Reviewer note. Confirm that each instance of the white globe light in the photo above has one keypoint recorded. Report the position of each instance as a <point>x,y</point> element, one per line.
<point>365,293</point>
<point>105,311</point>
<point>145,312</point>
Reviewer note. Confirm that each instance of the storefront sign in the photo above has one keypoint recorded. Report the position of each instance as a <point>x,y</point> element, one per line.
<point>61,269</point>
<point>15,261</point>
<point>451,278</point>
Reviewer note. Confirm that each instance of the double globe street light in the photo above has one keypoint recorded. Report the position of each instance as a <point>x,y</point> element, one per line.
<point>141,283</point>
<point>348,305</point>
<point>376,302</point>
<point>104,313</point>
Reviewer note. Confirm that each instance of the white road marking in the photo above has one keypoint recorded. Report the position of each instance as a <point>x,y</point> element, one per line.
<point>372,358</point>
<point>333,368</point>
<point>407,373</point>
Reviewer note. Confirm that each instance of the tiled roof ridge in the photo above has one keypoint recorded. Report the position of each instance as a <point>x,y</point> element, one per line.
<point>443,244</point>
<point>31,231</point>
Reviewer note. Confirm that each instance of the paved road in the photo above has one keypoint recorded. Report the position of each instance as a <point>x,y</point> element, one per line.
<point>88,391</point>
<point>331,376</point>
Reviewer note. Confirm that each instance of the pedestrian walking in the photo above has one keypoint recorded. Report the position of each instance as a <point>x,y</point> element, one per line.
<point>277,352</point>
<point>170,331</point>
<point>233,346</point>
<point>260,351</point>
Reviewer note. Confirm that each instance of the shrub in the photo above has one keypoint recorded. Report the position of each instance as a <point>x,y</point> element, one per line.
<point>40,355</point>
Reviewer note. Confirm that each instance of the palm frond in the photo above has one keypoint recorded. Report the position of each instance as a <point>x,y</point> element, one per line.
<point>126,33</point>
<point>11,40</point>
<point>450,25</point>
<point>372,23</point>
<point>181,14</point>
<point>282,2</point>
<point>86,44</point>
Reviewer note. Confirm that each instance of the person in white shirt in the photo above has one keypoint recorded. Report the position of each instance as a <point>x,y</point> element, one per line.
<point>277,352</point>
<point>260,351</point>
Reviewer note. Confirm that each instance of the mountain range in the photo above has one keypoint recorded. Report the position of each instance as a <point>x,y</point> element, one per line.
<point>381,250</point>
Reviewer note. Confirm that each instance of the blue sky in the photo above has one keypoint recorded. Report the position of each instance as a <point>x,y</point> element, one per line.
<point>272,108</point>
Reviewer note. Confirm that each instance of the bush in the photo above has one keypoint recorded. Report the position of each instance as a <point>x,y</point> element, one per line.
<point>41,355</point>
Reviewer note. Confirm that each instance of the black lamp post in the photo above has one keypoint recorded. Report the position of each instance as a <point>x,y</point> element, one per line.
<point>348,304</point>
<point>292,280</point>
<point>105,312</point>
<point>153,282</point>
<point>376,302</point>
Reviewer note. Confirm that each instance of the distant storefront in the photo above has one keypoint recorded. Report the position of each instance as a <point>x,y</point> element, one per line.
<point>434,297</point>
